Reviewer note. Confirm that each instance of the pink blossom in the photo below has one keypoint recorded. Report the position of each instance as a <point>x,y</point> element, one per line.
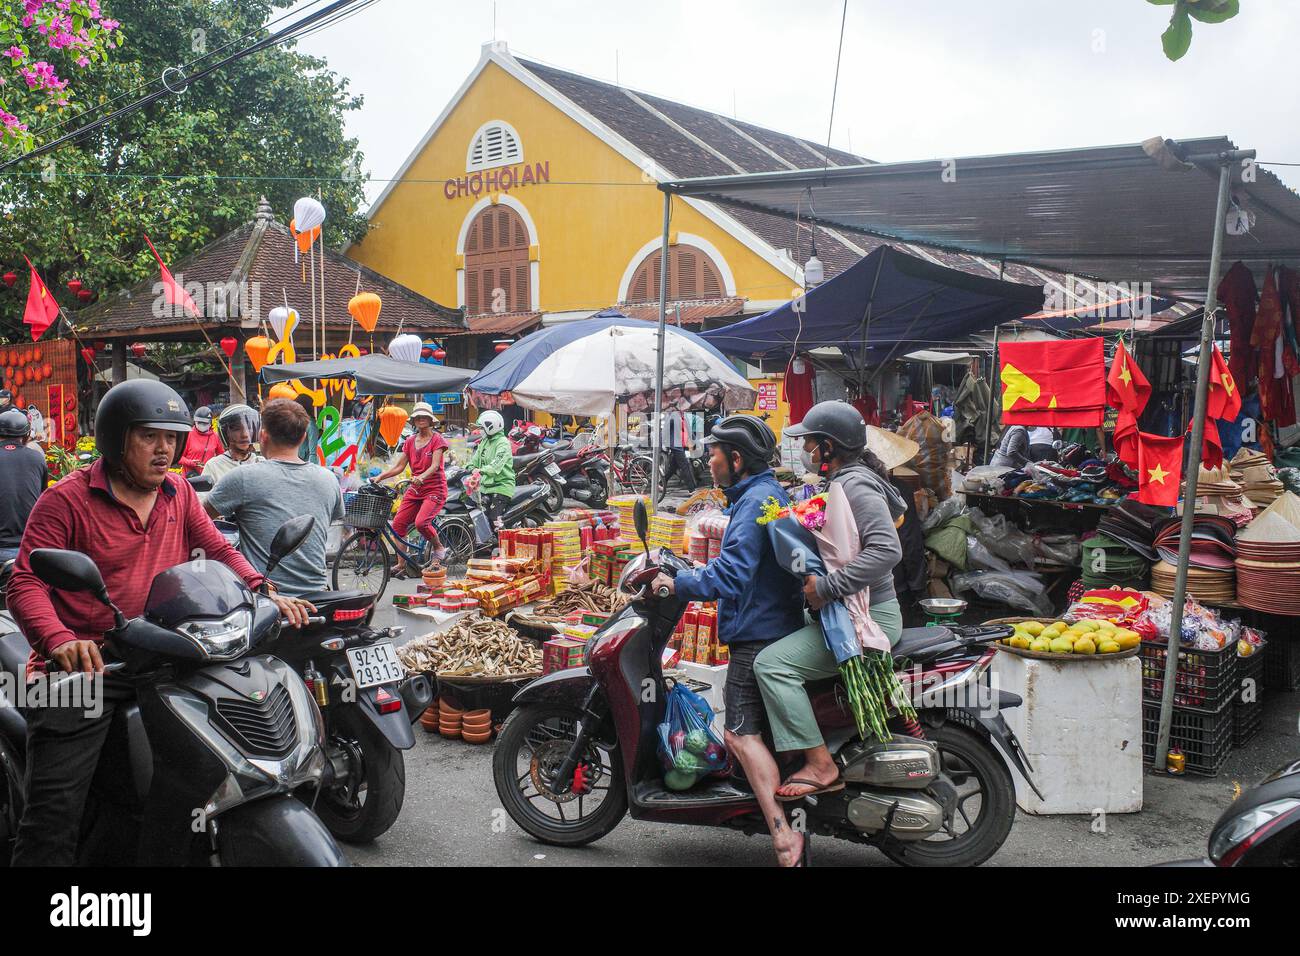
<point>83,61</point>
<point>109,25</point>
<point>14,53</point>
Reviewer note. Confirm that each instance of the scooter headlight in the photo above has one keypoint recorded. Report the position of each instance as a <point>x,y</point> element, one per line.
<point>220,640</point>
<point>1246,826</point>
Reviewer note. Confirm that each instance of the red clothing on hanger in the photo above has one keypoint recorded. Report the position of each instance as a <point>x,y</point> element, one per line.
<point>1237,293</point>
<point>798,389</point>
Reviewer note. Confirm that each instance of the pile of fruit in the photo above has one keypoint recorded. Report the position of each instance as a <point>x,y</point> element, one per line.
<point>1081,637</point>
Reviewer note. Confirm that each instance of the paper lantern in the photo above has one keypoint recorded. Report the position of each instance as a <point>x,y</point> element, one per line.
<point>256,349</point>
<point>279,318</point>
<point>392,419</point>
<point>89,355</point>
<point>305,239</point>
<point>74,286</point>
<point>283,390</point>
<point>228,345</point>
<point>405,348</point>
<point>85,295</point>
<point>308,213</point>
<point>137,349</point>
<point>20,377</point>
<point>365,308</point>
<point>439,353</point>
<point>501,347</point>
<point>10,279</point>
<point>20,402</point>
<point>426,352</point>
<point>36,352</point>
<point>46,369</point>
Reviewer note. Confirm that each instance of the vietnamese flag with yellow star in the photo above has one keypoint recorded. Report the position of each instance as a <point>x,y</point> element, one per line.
<point>1160,469</point>
<point>1127,389</point>
<point>1060,382</point>
<point>42,311</point>
<point>1224,399</point>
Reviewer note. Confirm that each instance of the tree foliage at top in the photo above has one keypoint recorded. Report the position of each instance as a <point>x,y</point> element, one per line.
<point>1177,39</point>
<point>189,167</point>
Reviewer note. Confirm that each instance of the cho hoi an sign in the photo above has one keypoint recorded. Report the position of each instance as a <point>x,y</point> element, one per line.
<point>502,180</point>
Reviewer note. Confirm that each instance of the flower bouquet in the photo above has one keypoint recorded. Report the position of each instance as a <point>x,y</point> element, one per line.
<point>819,536</point>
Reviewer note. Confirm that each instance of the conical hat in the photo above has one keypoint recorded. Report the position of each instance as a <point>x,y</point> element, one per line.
<point>1286,506</point>
<point>1270,526</point>
<point>892,449</point>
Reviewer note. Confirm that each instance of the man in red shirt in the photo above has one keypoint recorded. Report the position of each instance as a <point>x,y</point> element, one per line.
<point>134,519</point>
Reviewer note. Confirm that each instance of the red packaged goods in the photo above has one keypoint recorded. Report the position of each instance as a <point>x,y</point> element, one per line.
<point>699,549</point>
<point>715,548</point>
<point>561,653</point>
<point>586,536</point>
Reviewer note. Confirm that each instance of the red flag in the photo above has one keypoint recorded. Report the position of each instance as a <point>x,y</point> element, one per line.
<point>1224,396</point>
<point>1126,387</point>
<point>1160,469</point>
<point>1126,438</point>
<point>172,293</point>
<point>1211,444</point>
<point>1061,382</point>
<point>42,310</point>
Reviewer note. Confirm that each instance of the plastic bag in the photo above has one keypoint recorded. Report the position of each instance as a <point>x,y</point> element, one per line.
<point>689,748</point>
<point>948,508</point>
<point>1062,549</point>
<point>979,555</point>
<point>1018,589</point>
<point>1003,538</point>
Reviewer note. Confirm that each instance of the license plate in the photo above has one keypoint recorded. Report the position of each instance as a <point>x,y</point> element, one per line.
<point>553,469</point>
<point>375,664</point>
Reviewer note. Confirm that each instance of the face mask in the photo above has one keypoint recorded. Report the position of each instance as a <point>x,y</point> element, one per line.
<point>203,427</point>
<point>809,466</point>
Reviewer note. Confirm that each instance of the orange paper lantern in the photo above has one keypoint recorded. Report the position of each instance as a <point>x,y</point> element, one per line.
<point>256,349</point>
<point>19,377</point>
<point>365,309</point>
<point>392,419</point>
<point>304,239</point>
<point>283,390</point>
<point>46,369</point>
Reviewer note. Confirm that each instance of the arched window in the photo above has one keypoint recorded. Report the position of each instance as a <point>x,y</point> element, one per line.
<point>497,272</point>
<point>495,144</point>
<point>691,275</point>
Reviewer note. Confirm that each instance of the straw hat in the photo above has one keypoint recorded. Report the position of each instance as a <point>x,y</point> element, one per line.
<point>892,449</point>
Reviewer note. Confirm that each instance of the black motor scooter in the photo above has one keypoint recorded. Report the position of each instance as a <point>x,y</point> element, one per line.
<point>205,760</point>
<point>1260,828</point>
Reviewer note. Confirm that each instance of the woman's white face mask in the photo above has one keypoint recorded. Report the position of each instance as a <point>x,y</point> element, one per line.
<point>810,457</point>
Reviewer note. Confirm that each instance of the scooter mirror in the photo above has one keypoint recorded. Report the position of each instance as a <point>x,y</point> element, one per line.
<point>289,539</point>
<point>200,483</point>
<point>642,522</point>
<point>68,571</point>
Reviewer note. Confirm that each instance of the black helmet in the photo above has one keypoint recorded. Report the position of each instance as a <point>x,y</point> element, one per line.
<point>14,424</point>
<point>748,435</point>
<point>143,402</point>
<point>837,422</point>
<point>238,415</point>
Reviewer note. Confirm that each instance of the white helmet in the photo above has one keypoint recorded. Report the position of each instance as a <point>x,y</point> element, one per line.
<point>491,422</point>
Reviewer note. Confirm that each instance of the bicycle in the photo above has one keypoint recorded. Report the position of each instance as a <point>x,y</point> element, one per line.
<point>364,561</point>
<point>631,470</point>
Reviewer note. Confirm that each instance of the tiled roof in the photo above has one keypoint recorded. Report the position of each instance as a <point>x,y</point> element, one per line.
<point>692,313</point>
<point>509,323</point>
<point>262,252</point>
<point>623,112</point>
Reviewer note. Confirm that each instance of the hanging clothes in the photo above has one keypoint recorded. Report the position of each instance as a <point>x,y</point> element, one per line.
<point>868,409</point>
<point>1237,293</point>
<point>1289,287</point>
<point>799,375</point>
<point>971,408</point>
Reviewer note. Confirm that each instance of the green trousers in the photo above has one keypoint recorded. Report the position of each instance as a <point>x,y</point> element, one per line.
<point>783,667</point>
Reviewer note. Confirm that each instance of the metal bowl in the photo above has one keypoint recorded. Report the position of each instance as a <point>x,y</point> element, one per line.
<point>942,606</point>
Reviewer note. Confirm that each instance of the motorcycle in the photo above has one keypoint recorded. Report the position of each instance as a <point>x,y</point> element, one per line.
<point>1260,828</point>
<point>584,475</point>
<point>207,758</point>
<point>585,740</point>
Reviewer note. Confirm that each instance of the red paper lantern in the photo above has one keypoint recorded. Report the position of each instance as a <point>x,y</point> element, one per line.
<point>89,355</point>
<point>85,295</point>
<point>426,352</point>
<point>502,346</point>
<point>228,345</point>
<point>10,278</point>
<point>440,353</point>
<point>137,349</point>
<point>99,346</point>
<point>74,285</point>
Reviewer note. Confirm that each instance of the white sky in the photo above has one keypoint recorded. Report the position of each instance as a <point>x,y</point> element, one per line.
<point>920,79</point>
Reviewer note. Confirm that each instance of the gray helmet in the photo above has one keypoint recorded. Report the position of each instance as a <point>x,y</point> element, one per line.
<point>143,402</point>
<point>748,435</point>
<point>837,422</point>
<point>14,424</point>
<point>238,415</point>
<point>203,416</point>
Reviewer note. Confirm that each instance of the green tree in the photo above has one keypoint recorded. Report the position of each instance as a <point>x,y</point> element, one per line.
<point>1178,37</point>
<point>187,168</point>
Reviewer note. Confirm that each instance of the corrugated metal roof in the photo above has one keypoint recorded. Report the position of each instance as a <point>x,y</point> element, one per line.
<point>508,323</point>
<point>691,313</point>
<point>1114,212</point>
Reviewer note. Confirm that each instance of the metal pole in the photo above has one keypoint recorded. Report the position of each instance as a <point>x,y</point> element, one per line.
<point>993,397</point>
<point>656,436</point>
<point>1194,459</point>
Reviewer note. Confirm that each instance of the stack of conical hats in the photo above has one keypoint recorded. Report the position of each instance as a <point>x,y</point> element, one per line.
<point>1257,477</point>
<point>1268,558</point>
<point>1218,494</point>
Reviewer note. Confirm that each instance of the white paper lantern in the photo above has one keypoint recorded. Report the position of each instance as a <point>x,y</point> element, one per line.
<point>308,213</point>
<point>279,319</point>
<point>405,347</point>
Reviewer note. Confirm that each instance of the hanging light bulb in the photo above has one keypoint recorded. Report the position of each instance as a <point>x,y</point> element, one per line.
<point>814,273</point>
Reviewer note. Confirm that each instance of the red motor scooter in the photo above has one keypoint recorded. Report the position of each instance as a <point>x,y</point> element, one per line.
<point>580,750</point>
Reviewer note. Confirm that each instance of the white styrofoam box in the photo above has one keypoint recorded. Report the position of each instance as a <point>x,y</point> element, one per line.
<point>716,678</point>
<point>1081,726</point>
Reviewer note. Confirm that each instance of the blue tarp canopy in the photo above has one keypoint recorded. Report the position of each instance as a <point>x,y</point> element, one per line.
<point>888,304</point>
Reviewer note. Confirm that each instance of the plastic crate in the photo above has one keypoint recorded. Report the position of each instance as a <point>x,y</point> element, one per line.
<point>1248,716</point>
<point>1205,739</point>
<point>1206,682</point>
<point>366,510</point>
<point>1282,663</point>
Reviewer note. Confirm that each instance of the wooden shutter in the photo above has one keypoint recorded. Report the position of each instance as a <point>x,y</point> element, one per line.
<point>498,259</point>
<point>691,275</point>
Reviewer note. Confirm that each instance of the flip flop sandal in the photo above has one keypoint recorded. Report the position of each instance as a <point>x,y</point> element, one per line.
<point>816,791</point>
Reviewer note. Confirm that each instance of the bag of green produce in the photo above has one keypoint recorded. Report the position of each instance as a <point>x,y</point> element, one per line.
<point>687,744</point>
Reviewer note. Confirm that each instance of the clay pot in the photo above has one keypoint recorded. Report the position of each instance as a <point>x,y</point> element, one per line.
<point>477,738</point>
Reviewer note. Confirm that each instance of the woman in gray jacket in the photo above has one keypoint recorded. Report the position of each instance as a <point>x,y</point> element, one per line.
<point>835,439</point>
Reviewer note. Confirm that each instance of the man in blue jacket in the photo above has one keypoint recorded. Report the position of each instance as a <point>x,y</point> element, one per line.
<point>758,603</point>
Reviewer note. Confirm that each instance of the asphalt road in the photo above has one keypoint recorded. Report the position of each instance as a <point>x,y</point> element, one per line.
<point>452,815</point>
